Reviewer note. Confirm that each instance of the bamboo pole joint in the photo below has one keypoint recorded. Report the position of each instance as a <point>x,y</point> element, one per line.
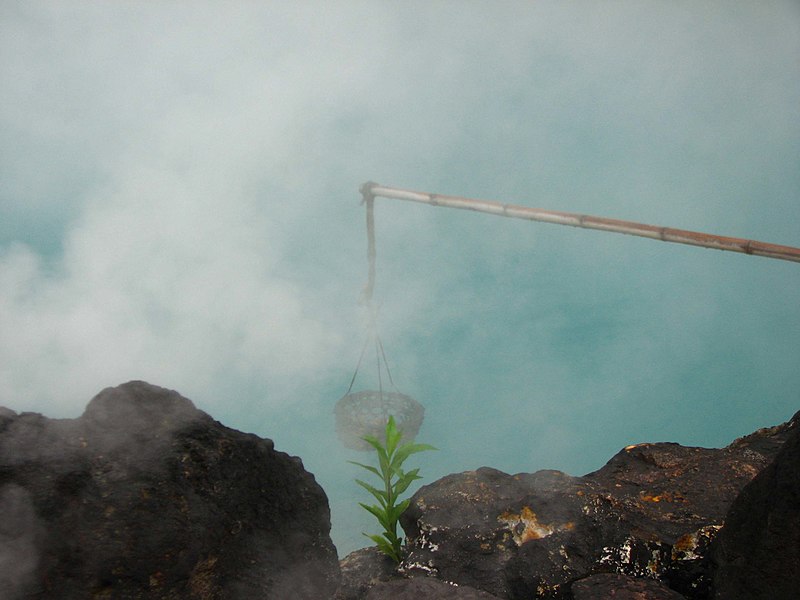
<point>370,190</point>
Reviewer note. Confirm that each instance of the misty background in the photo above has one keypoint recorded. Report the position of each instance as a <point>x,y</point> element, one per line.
<point>179,204</point>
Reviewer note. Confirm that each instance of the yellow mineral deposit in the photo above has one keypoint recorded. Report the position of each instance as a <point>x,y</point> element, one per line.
<point>525,526</point>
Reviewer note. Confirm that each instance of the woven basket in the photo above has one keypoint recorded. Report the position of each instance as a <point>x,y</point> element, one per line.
<point>366,413</point>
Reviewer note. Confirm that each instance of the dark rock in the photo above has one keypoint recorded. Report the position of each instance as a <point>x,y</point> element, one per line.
<point>757,552</point>
<point>651,512</point>
<point>362,570</point>
<point>369,574</point>
<point>688,570</point>
<point>621,587</point>
<point>144,496</point>
<point>424,588</point>
<point>469,529</point>
<point>6,416</point>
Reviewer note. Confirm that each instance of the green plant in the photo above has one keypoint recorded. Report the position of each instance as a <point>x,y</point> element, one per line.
<point>395,481</point>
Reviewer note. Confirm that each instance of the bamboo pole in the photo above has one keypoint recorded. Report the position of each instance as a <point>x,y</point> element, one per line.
<point>371,190</point>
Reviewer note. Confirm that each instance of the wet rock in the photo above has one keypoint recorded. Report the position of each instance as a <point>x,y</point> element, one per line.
<point>144,496</point>
<point>650,512</point>
<point>621,587</point>
<point>424,588</point>
<point>757,553</point>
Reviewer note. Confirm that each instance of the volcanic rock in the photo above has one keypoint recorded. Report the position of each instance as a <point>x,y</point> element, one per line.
<point>757,553</point>
<point>651,512</point>
<point>144,496</point>
<point>424,588</point>
<point>363,569</point>
<point>621,587</point>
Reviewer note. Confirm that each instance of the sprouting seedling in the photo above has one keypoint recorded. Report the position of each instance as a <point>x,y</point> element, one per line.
<point>395,481</point>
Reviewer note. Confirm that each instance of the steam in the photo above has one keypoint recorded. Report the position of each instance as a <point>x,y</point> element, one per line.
<point>178,203</point>
<point>19,530</point>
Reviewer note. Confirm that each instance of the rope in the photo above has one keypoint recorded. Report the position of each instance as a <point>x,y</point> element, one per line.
<point>369,199</point>
<point>378,364</point>
<point>380,357</point>
<point>386,363</point>
<point>358,366</point>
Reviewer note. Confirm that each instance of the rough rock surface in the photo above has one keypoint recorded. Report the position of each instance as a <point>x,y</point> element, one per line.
<point>144,496</point>
<point>424,588</point>
<point>362,570</point>
<point>651,512</point>
<point>621,587</point>
<point>757,553</point>
<point>368,574</point>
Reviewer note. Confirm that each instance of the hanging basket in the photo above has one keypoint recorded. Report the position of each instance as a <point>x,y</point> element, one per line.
<point>366,413</point>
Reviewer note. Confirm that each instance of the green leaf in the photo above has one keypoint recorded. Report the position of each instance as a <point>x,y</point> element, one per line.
<point>380,495</point>
<point>382,456</point>
<point>367,467</point>
<point>374,442</point>
<point>406,480</point>
<point>396,511</point>
<point>379,513</point>
<point>386,547</point>
<point>407,450</point>
<point>393,436</point>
